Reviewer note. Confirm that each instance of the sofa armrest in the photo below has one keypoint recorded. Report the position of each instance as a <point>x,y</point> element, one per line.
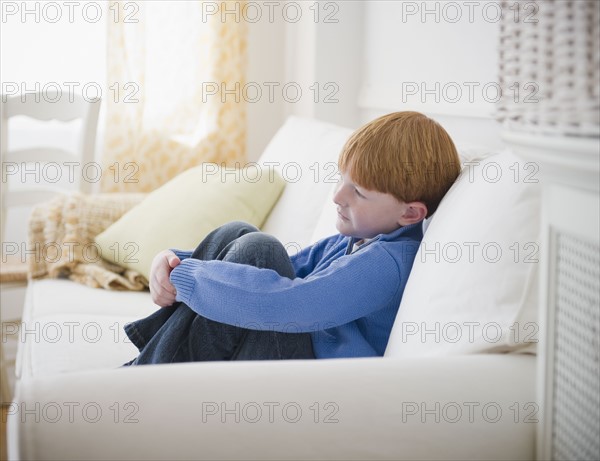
<point>464,407</point>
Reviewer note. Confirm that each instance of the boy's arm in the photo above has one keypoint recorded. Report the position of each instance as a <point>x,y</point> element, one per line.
<point>305,261</point>
<point>350,288</point>
<point>182,254</point>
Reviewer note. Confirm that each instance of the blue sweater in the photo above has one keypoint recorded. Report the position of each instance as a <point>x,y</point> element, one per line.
<point>347,301</point>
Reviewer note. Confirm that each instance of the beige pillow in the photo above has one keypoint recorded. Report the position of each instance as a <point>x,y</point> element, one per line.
<point>183,211</point>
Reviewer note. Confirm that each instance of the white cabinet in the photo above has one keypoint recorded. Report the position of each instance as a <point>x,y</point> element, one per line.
<point>569,373</point>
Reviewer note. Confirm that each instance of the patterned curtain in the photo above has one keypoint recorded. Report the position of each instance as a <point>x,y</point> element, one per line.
<point>171,69</point>
<point>550,66</point>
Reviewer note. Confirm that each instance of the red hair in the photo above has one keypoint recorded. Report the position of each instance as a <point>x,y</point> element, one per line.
<point>405,154</point>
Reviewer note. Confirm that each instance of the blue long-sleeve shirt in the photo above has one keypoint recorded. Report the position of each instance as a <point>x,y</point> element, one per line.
<point>347,301</point>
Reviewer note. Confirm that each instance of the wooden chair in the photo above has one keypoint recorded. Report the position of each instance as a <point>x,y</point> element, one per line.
<point>17,193</point>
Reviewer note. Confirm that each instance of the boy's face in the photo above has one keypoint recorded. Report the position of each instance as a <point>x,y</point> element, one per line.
<point>364,213</point>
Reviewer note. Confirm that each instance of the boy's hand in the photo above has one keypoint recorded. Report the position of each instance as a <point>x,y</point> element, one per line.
<point>162,291</point>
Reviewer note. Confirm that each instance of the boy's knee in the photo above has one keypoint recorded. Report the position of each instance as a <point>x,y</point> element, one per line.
<point>231,231</point>
<point>240,227</point>
<point>218,240</point>
<point>260,239</point>
<point>256,245</point>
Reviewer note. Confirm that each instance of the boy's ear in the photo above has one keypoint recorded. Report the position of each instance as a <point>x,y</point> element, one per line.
<point>414,212</point>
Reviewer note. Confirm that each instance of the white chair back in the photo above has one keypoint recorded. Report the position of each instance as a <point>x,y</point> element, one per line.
<point>44,107</point>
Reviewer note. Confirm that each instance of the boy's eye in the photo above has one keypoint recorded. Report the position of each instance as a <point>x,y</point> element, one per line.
<point>358,193</point>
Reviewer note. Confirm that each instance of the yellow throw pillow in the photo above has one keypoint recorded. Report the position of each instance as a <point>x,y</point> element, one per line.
<point>183,211</point>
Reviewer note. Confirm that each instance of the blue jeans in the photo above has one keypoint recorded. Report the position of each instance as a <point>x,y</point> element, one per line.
<point>178,334</point>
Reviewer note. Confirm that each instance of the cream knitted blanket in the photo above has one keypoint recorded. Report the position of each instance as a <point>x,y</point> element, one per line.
<point>62,233</point>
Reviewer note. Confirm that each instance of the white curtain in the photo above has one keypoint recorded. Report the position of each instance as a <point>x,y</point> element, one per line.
<point>167,64</point>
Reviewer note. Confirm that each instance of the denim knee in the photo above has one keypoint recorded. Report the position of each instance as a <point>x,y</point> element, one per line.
<point>239,226</point>
<point>260,250</point>
<point>216,241</point>
<point>252,245</point>
<point>230,231</point>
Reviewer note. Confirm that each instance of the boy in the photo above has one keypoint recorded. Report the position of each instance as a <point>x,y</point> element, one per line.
<point>238,296</point>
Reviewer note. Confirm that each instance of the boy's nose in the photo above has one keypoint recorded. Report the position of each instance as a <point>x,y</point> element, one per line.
<point>337,197</point>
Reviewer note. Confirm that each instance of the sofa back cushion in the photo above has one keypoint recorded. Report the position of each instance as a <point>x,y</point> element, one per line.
<point>305,152</point>
<point>473,284</point>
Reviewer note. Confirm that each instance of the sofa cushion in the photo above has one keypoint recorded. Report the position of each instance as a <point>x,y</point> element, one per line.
<point>326,222</point>
<point>473,284</point>
<point>191,205</point>
<point>67,326</point>
<point>305,151</point>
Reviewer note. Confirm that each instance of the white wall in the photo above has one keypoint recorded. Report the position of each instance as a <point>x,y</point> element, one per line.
<point>436,57</point>
<point>357,59</point>
<point>314,47</point>
<point>327,51</point>
<point>439,58</point>
<point>266,50</point>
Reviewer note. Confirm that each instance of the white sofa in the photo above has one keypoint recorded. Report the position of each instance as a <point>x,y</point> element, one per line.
<point>430,397</point>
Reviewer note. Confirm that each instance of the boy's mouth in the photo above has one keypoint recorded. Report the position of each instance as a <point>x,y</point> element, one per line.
<point>342,216</point>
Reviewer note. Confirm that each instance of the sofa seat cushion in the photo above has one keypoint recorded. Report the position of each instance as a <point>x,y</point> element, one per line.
<point>75,342</point>
<point>61,296</point>
<point>67,327</point>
